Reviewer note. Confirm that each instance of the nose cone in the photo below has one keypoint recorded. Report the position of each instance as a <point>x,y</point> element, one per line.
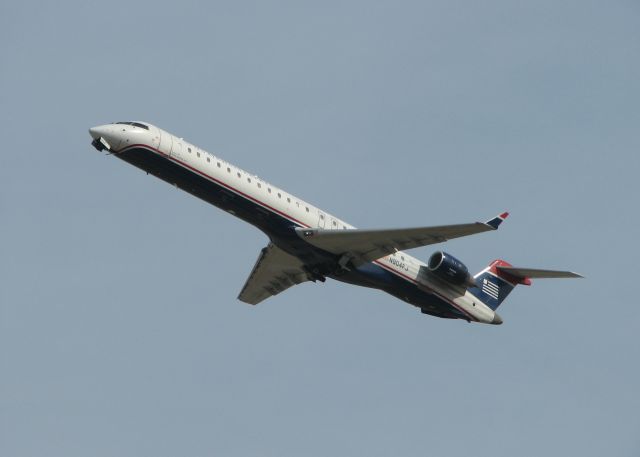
<point>105,137</point>
<point>497,320</point>
<point>99,131</point>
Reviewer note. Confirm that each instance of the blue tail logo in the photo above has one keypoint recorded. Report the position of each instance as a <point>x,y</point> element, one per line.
<point>492,287</point>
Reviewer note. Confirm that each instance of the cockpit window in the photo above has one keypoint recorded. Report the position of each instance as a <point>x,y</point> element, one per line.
<point>135,124</point>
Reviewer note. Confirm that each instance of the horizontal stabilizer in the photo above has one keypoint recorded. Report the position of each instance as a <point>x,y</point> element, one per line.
<point>537,273</point>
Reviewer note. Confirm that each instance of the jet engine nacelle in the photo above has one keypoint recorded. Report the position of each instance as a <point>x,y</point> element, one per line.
<point>447,267</point>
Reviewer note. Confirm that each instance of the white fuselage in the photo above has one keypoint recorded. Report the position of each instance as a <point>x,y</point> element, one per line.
<point>124,137</point>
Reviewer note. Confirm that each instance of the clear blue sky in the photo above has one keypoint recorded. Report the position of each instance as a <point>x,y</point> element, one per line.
<point>120,332</point>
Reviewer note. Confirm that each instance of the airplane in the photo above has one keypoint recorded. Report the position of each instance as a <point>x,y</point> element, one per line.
<point>307,243</point>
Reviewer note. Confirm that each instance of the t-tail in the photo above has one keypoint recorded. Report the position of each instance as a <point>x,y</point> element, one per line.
<point>495,283</point>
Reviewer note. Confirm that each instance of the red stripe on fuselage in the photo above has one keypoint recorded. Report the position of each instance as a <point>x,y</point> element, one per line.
<point>285,215</point>
<point>222,183</point>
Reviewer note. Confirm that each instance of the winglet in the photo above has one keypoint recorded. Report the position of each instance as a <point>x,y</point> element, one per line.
<point>496,221</point>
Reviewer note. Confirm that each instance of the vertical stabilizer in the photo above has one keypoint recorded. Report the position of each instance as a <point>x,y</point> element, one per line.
<point>493,285</point>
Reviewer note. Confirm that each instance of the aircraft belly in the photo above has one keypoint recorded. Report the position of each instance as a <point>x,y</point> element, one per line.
<point>373,276</point>
<point>198,186</point>
<point>282,232</point>
<point>278,228</point>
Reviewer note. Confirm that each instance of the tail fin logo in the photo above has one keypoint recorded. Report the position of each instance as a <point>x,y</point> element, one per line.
<point>490,288</point>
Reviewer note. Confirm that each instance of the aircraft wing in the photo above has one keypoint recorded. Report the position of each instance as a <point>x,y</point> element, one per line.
<point>367,245</point>
<point>274,272</point>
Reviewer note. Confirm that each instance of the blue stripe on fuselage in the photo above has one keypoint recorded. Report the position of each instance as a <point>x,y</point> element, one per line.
<point>280,229</point>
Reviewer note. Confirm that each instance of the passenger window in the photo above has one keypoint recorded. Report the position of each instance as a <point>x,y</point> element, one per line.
<point>307,208</point>
<point>288,200</point>
<point>238,174</point>
<point>279,196</point>
<point>208,159</point>
<point>248,180</point>
<point>218,164</point>
<point>269,189</point>
<point>259,185</point>
<point>322,216</point>
<point>198,152</point>
<point>335,223</point>
<point>228,170</point>
<point>189,150</point>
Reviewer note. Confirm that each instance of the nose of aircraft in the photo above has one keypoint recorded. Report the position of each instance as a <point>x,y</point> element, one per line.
<point>497,320</point>
<point>104,137</point>
<point>99,131</point>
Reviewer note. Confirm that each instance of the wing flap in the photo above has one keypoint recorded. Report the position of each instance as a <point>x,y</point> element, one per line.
<point>274,272</point>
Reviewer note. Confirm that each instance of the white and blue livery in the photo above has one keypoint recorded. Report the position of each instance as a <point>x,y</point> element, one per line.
<point>310,244</point>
